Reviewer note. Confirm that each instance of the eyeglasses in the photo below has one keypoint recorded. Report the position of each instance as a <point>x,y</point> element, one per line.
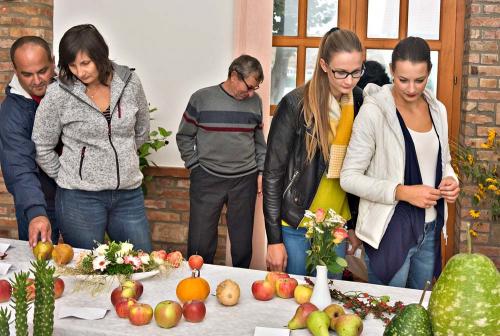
<point>249,88</point>
<point>341,74</point>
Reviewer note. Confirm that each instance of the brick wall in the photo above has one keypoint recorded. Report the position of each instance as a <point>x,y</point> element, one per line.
<point>19,18</point>
<point>480,109</point>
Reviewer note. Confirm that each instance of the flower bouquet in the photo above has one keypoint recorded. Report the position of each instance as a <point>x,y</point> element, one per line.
<point>325,230</point>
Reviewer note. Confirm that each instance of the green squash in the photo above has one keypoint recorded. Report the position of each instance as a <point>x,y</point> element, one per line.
<point>466,297</point>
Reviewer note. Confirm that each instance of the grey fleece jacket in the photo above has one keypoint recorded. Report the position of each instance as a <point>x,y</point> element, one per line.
<point>95,156</point>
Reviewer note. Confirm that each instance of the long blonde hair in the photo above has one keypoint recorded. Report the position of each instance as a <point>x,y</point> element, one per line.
<point>317,91</point>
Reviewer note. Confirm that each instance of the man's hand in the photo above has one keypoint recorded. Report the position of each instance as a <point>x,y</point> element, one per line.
<point>276,257</point>
<point>421,195</point>
<point>39,225</point>
<point>354,241</point>
<point>259,185</point>
<point>449,189</point>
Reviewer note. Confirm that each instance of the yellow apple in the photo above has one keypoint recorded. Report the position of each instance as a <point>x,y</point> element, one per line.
<point>302,293</point>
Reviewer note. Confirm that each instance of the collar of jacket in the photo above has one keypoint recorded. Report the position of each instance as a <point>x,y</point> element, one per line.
<point>121,76</point>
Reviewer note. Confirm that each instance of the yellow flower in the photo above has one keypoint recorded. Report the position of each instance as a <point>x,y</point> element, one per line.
<point>491,180</point>
<point>474,213</point>
<point>478,197</point>
<point>473,233</point>
<point>492,187</point>
<point>470,159</point>
<point>491,135</point>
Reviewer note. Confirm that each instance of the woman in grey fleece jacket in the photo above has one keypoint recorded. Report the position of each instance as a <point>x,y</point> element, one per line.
<point>100,112</point>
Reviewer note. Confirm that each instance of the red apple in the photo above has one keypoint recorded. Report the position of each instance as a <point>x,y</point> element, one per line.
<point>5,290</point>
<point>138,287</point>
<point>194,311</point>
<point>140,314</point>
<point>263,290</point>
<point>273,276</point>
<point>122,292</point>
<point>195,262</point>
<point>285,287</point>
<point>58,288</point>
<point>122,307</point>
<point>168,313</point>
<point>174,258</point>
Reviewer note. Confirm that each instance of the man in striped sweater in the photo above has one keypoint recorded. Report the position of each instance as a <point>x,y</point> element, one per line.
<point>221,141</point>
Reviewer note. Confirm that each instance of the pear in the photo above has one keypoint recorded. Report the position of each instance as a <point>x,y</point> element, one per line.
<point>413,320</point>
<point>334,311</point>
<point>318,323</point>
<point>349,325</point>
<point>43,250</point>
<point>299,319</point>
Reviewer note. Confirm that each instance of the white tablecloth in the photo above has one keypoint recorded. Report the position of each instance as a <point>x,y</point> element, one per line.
<point>238,320</point>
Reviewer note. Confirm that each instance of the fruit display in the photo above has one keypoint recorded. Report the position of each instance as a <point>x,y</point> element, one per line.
<point>228,292</point>
<point>299,320</point>
<point>263,290</point>
<point>140,314</point>
<point>302,293</point>
<point>167,314</point>
<point>466,297</point>
<point>334,311</point>
<point>273,276</point>
<point>5,290</point>
<point>194,311</point>
<point>62,254</point>
<point>193,288</point>
<point>349,325</point>
<point>318,323</point>
<point>122,307</point>
<point>43,250</point>
<point>195,262</point>
<point>285,287</point>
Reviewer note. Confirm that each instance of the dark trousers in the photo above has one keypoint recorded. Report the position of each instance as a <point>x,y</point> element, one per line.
<point>208,194</point>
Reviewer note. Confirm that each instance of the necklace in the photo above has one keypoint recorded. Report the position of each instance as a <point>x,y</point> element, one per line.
<point>90,94</point>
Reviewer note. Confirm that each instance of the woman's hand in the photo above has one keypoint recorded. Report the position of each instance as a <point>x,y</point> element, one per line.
<point>421,195</point>
<point>449,189</point>
<point>354,241</point>
<point>276,258</point>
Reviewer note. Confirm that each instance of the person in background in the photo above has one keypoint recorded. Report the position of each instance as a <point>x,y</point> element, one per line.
<point>33,191</point>
<point>398,163</point>
<point>311,126</point>
<point>99,110</point>
<point>374,73</point>
<point>221,141</point>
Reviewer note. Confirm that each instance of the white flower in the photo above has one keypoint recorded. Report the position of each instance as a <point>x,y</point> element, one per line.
<point>119,260</point>
<point>126,248</point>
<point>100,263</point>
<point>144,258</point>
<point>101,250</point>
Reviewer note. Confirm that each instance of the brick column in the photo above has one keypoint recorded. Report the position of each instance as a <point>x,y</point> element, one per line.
<point>19,18</point>
<point>480,110</point>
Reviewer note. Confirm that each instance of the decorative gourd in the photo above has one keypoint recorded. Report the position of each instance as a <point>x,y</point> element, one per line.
<point>228,292</point>
<point>466,297</point>
<point>193,288</point>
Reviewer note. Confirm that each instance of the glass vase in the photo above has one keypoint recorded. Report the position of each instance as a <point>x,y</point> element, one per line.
<point>321,293</point>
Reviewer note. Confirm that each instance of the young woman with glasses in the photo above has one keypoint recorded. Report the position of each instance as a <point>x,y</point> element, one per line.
<point>398,163</point>
<point>312,124</point>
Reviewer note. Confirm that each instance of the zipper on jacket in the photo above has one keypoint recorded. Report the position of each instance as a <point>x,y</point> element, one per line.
<point>82,156</point>
<point>116,156</point>
<point>119,109</point>
<point>291,182</point>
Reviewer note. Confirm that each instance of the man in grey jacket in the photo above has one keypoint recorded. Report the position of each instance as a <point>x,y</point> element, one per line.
<point>221,141</point>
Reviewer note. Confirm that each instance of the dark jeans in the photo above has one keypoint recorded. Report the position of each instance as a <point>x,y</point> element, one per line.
<point>85,216</point>
<point>208,194</point>
<point>23,224</point>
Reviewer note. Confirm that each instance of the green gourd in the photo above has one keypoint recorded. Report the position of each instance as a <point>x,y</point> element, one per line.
<point>413,320</point>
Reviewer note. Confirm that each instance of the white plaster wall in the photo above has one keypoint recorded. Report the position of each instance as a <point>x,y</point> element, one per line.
<point>176,46</point>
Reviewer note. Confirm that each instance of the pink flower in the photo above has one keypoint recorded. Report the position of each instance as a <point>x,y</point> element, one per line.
<point>320,215</point>
<point>134,261</point>
<point>159,256</point>
<point>339,234</point>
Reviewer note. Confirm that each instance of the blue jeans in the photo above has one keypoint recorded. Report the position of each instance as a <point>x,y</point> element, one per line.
<point>85,216</point>
<point>296,246</point>
<point>418,266</point>
<point>23,224</point>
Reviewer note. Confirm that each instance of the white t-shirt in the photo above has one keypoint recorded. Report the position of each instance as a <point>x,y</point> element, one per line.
<point>427,147</point>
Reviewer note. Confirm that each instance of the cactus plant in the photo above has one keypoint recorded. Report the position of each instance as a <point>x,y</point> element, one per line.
<point>43,320</point>
<point>4,322</point>
<point>20,302</point>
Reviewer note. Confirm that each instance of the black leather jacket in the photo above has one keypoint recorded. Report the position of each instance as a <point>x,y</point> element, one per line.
<point>289,182</point>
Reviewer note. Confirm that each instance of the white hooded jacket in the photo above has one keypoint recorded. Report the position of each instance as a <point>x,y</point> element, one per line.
<point>375,161</point>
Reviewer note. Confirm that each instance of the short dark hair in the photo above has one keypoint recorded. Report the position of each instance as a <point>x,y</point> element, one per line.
<point>374,73</point>
<point>413,49</point>
<point>245,65</point>
<point>84,38</point>
<point>29,40</point>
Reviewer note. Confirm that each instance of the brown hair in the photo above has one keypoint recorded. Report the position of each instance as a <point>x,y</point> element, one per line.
<point>317,90</point>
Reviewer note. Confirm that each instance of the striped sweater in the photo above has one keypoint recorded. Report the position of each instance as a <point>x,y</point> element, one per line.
<point>222,134</point>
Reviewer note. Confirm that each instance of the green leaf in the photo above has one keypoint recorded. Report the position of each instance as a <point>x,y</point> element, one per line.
<point>153,133</point>
<point>341,262</point>
<point>164,132</point>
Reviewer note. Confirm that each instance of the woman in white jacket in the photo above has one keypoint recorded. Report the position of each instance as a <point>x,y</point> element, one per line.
<point>398,163</point>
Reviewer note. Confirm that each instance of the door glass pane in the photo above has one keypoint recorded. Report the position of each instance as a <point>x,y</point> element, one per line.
<point>321,16</point>
<point>423,18</point>
<point>311,54</point>
<point>383,56</point>
<point>283,72</point>
<point>285,17</point>
<point>383,19</point>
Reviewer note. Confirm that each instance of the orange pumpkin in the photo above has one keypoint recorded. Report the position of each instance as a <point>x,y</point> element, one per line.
<point>193,288</point>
